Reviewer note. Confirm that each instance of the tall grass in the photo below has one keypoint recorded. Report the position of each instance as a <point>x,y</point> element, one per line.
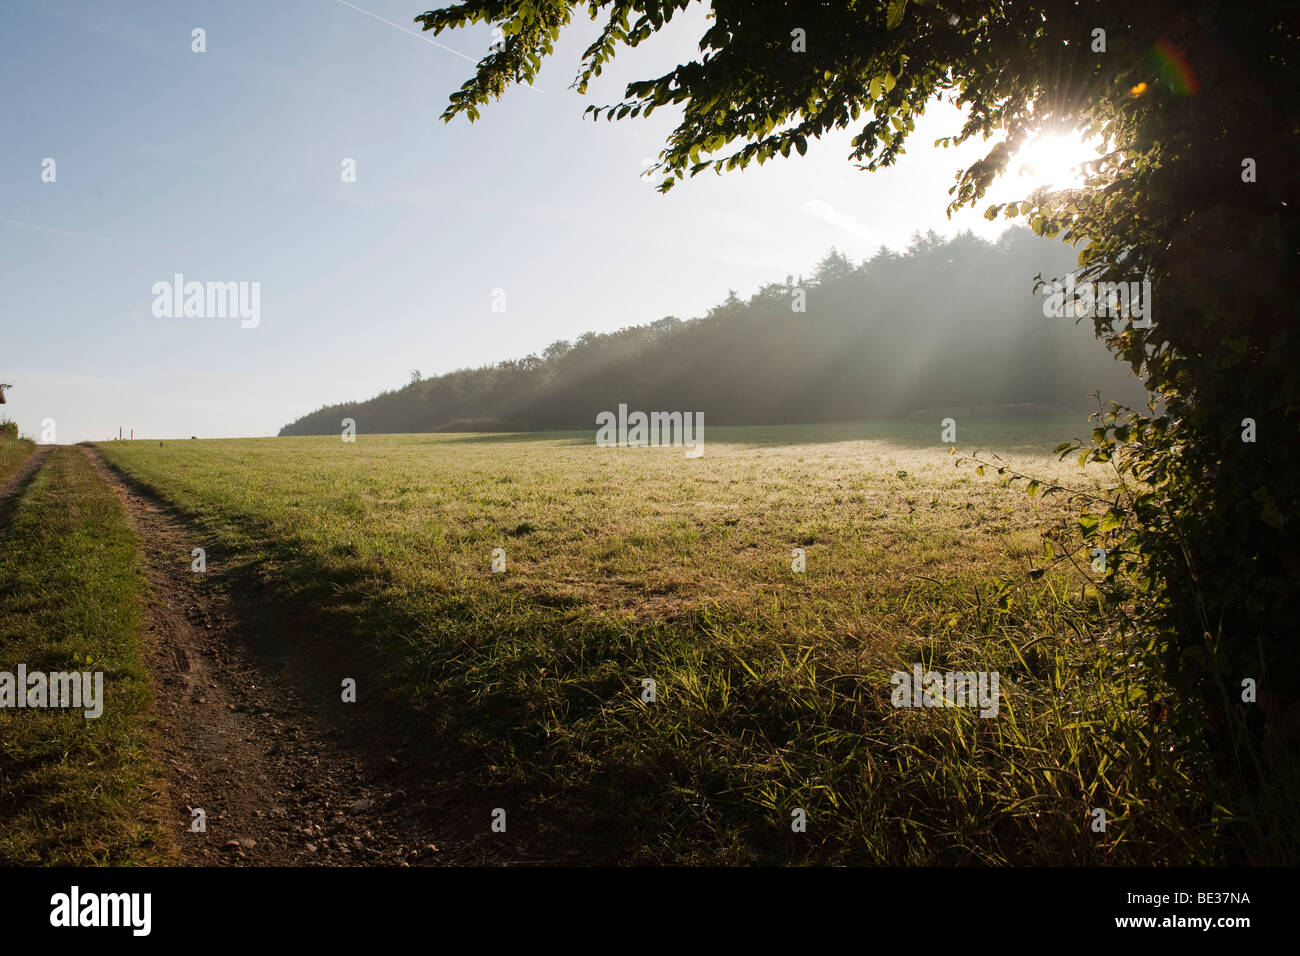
<point>13,452</point>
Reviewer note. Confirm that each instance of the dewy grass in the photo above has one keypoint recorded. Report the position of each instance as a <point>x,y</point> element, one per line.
<point>74,790</point>
<point>772,688</point>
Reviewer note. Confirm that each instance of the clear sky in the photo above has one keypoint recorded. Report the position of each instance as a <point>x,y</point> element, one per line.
<point>226,166</point>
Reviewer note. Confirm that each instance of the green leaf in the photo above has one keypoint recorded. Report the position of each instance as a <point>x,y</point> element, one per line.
<point>1032,488</point>
<point>894,15</point>
<point>1110,520</point>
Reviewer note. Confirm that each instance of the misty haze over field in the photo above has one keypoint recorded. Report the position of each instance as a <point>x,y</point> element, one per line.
<point>945,323</point>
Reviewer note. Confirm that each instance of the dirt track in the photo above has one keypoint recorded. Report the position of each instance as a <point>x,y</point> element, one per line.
<point>254,731</point>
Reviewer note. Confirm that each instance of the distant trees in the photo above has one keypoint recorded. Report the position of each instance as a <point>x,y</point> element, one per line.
<point>557,350</point>
<point>898,332</point>
<point>833,267</point>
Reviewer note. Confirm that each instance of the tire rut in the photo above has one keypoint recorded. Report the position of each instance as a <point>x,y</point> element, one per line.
<point>260,740</point>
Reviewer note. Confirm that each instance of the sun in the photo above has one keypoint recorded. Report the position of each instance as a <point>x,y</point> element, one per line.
<point>1053,161</point>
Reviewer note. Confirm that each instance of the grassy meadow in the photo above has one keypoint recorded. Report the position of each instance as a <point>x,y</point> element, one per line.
<point>772,687</point>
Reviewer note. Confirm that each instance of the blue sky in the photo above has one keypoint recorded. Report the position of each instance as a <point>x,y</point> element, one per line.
<point>226,166</point>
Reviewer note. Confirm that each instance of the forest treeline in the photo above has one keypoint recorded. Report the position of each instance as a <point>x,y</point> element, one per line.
<point>947,322</point>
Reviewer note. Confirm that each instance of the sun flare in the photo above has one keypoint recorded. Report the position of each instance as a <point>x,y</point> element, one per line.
<point>1053,160</point>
